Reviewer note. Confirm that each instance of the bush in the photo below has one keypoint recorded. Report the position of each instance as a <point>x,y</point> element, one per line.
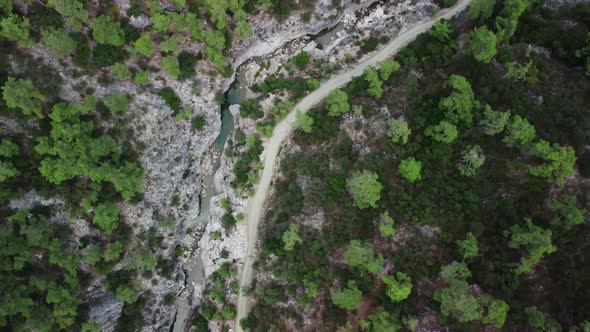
<point>301,60</point>
<point>251,109</point>
<point>198,123</point>
<point>186,63</point>
<point>228,222</point>
<point>171,99</point>
<point>108,55</point>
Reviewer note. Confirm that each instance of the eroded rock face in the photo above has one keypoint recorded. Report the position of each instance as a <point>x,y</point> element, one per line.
<point>105,310</point>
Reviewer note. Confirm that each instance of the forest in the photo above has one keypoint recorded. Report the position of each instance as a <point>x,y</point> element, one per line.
<point>68,166</point>
<point>445,188</point>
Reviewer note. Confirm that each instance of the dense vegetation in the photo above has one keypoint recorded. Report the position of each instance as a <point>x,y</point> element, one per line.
<point>67,166</point>
<point>458,183</point>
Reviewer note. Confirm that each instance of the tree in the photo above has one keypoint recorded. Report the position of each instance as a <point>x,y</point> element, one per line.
<point>171,44</point>
<point>375,84</point>
<point>561,161</point>
<point>19,93</point>
<point>72,10</point>
<point>459,105</point>
<point>106,31</point>
<point>455,271</point>
<point>388,67</point>
<point>567,214</point>
<point>58,41</point>
<point>365,188</point>
<point>444,132</point>
<point>142,77</point>
<point>218,10</point>
<point>120,70</point>
<point>113,251</point>
<point>7,171</point>
<point>116,102</point>
<point>337,102</point>
<point>399,286</point>
<point>243,27</point>
<point>106,217</point>
<point>515,8</point>
<point>144,44</point>
<point>386,225</point>
<point>456,301</point>
<point>381,321</point>
<point>493,122</point>
<point>505,28</point>
<point>482,44</point>
<point>536,240</point>
<point>398,131</point>
<point>516,71</point>
<point>410,168</point>
<point>14,28</point>
<point>496,315</point>
<point>468,247</point>
<point>480,9</point>
<point>301,60</point>
<point>303,122</point>
<point>361,255</point>
<point>347,298</point>
<point>519,132</point>
<point>472,158</point>
<point>170,66</point>
<point>125,293</point>
<point>291,237</point>
<point>441,31</point>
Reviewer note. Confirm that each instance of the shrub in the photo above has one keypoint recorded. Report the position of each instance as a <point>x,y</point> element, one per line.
<point>171,99</point>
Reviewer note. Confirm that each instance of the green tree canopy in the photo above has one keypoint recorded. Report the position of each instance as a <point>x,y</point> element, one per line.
<point>106,217</point>
<point>301,60</point>
<point>496,314</point>
<point>360,255</point>
<point>19,93</point>
<point>457,301</point>
<point>480,9</point>
<point>398,131</point>
<point>365,188</point>
<point>13,27</point>
<point>73,149</point>
<point>116,102</point>
<point>58,41</point>
<point>532,238</point>
<point>303,122</point>
<point>468,247</point>
<point>144,44</point>
<point>113,250</point>
<point>106,31</point>
<point>472,158</point>
<point>72,10</point>
<point>561,161</point>
<point>441,31</point>
<point>399,286</point>
<point>243,27</point>
<point>337,102</point>
<point>170,66</point>
<point>382,321</point>
<point>410,169</point>
<point>505,28</point>
<point>347,298</point>
<point>461,103</point>
<point>291,237</point>
<point>482,44</point>
<point>386,225</point>
<point>567,214</point>
<point>375,84</point>
<point>519,131</point>
<point>444,132</point>
<point>388,67</point>
<point>493,122</point>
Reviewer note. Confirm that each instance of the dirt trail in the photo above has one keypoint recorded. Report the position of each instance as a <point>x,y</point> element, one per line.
<point>283,129</point>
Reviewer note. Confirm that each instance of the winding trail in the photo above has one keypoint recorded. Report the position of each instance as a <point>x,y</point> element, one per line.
<point>283,129</point>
